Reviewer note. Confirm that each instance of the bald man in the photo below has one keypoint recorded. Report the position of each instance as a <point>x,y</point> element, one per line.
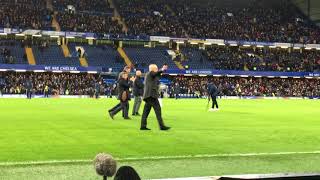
<point>151,95</point>
<point>137,92</point>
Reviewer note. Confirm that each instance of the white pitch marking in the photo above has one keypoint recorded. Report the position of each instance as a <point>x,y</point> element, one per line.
<point>156,158</point>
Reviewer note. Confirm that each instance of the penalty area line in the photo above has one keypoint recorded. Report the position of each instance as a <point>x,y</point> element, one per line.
<point>78,161</point>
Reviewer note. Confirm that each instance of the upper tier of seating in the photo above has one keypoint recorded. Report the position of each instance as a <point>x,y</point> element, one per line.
<point>90,6</point>
<point>255,20</point>
<point>258,20</point>
<point>25,14</point>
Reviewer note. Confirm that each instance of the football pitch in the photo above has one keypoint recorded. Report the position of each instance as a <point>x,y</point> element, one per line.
<point>58,138</point>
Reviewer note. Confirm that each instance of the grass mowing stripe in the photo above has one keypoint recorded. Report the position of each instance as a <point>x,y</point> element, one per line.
<point>154,158</point>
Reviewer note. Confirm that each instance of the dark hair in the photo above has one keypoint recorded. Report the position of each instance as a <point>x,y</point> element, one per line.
<point>126,173</point>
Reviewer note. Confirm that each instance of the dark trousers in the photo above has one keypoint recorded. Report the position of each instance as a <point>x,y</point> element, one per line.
<point>214,101</point>
<point>149,103</point>
<point>125,109</point>
<point>29,93</point>
<point>46,94</point>
<point>124,106</point>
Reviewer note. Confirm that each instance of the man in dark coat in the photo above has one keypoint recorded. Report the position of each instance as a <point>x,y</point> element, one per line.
<point>29,87</point>
<point>212,93</point>
<point>150,96</point>
<point>137,92</point>
<point>124,94</point>
<point>97,89</point>
<point>177,90</point>
<point>117,107</point>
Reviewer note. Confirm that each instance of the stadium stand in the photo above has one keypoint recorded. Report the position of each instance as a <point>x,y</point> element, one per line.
<point>91,6</point>
<point>83,22</point>
<point>11,52</point>
<point>235,58</point>
<point>34,16</point>
<point>142,57</point>
<point>237,86</point>
<point>59,84</point>
<point>53,55</point>
<point>254,20</point>
<point>105,56</point>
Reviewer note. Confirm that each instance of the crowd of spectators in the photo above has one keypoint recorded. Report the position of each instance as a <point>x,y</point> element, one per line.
<point>84,22</point>
<point>25,14</point>
<point>83,5</point>
<point>57,83</point>
<point>238,86</point>
<point>145,17</point>
<point>235,58</point>
<point>258,21</point>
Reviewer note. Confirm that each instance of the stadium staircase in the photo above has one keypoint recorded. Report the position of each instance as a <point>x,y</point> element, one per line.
<point>83,62</point>
<point>55,23</point>
<point>117,16</point>
<point>178,64</point>
<point>30,56</point>
<point>124,56</point>
<point>65,50</point>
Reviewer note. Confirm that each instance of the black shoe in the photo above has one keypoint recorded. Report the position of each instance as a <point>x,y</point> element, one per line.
<point>145,129</point>
<point>126,118</point>
<point>165,128</point>
<point>137,114</point>
<point>111,115</point>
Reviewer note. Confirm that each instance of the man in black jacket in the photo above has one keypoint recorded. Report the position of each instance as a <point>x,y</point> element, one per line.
<point>137,92</point>
<point>213,92</point>
<point>29,87</point>
<point>117,107</point>
<point>124,94</point>
<point>150,96</point>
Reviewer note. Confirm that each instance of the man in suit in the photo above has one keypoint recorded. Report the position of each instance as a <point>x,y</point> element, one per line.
<point>29,87</point>
<point>150,96</point>
<point>212,93</point>
<point>137,92</point>
<point>117,107</point>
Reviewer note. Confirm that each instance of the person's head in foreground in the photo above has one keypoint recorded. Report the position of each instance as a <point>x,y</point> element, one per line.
<point>126,173</point>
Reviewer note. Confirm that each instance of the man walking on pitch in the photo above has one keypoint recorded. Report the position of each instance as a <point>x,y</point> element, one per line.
<point>137,92</point>
<point>124,95</point>
<point>117,107</point>
<point>29,87</point>
<point>212,93</point>
<point>150,96</point>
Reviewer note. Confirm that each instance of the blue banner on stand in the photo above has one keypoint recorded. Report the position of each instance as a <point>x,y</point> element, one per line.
<point>20,67</point>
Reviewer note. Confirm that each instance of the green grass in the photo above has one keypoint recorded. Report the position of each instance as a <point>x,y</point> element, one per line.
<point>72,129</point>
